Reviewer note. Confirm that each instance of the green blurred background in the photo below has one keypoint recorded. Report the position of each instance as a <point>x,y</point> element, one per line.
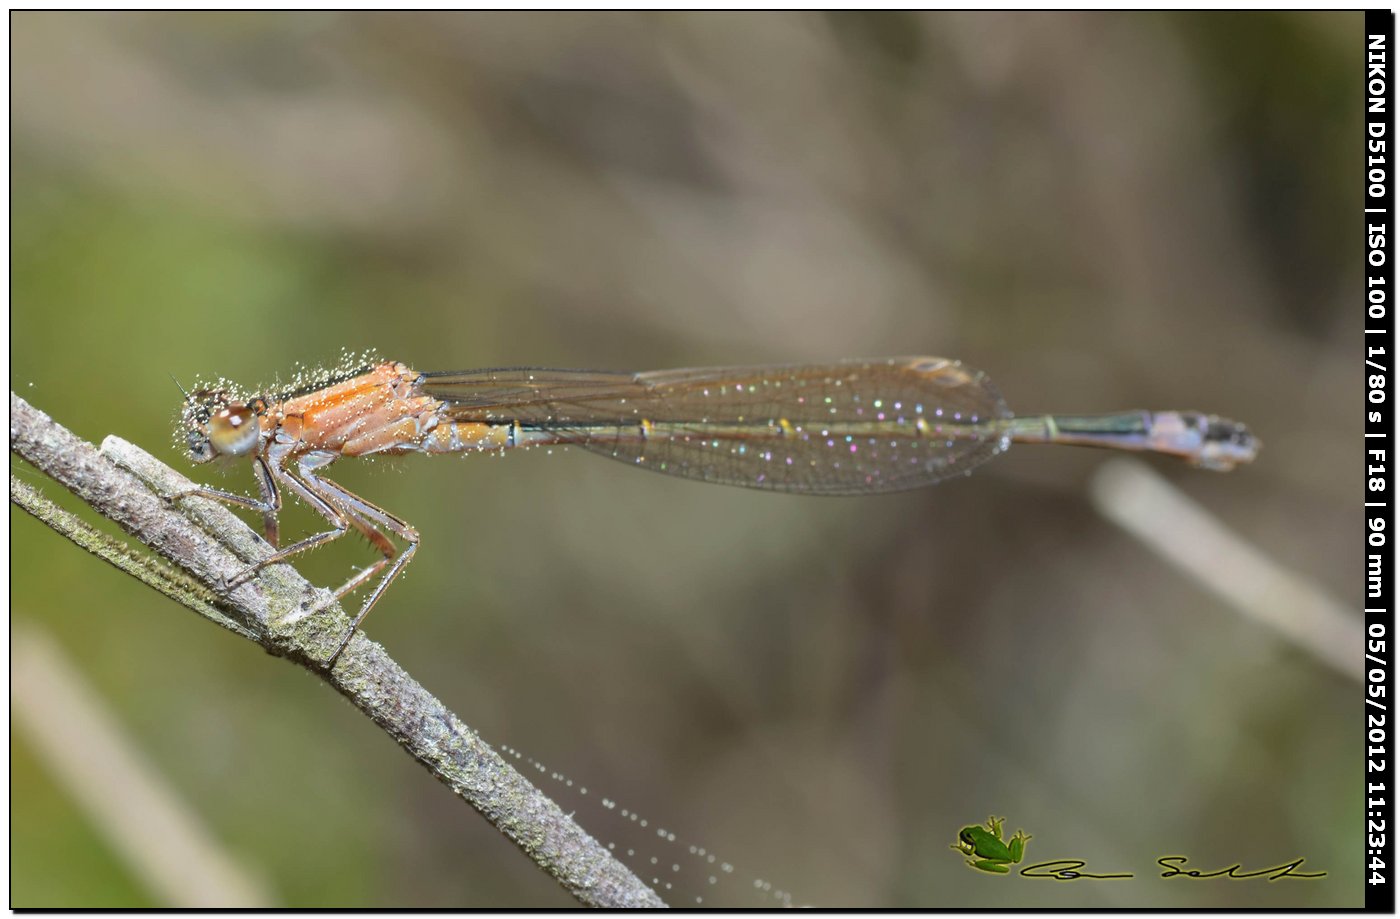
<point>1101,211</point>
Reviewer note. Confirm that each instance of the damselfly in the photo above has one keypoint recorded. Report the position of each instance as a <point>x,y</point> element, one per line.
<point>846,428</point>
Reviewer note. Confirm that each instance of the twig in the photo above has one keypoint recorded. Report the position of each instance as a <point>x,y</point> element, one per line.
<point>154,572</point>
<point>1138,499</point>
<point>125,484</point>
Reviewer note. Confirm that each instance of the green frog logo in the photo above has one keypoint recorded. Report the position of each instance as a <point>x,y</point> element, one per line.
<point>985,850</point>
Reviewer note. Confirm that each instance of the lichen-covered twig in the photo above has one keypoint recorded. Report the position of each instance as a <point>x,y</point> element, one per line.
<point>207,542</point>
<point>152,571</point>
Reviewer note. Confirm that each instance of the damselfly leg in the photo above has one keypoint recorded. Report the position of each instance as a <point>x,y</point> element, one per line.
<point>342,508</point>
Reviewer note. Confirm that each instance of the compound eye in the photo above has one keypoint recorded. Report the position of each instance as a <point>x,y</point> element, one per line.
<point>233,430</point>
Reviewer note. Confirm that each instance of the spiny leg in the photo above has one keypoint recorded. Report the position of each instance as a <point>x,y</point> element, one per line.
<point>341,507</point>
<point>338,519</point>
<point>270,474</point>
<point>268,506</point>
<point>364,516</point>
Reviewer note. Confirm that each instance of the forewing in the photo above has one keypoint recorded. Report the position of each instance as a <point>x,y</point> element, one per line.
<point>855,427</point>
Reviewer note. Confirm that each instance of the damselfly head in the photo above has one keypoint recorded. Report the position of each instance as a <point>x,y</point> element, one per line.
<point>216,425</point>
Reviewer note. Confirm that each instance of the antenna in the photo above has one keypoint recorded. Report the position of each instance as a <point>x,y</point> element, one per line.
<point>188,397</point>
